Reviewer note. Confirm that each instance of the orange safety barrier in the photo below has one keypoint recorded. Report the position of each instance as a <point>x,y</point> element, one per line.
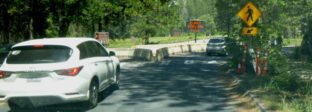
<point>265,65</point>
<point>239,68</point>
<point>257,63</point>
<point>244,58</point>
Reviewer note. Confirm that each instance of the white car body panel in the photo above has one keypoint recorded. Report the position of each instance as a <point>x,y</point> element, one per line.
<point>40,80</point>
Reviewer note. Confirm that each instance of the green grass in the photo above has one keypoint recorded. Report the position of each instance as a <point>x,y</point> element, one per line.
<point>124,43</point>
<point>275,98</point>
<point>292,41</point>
<point>127,43</point>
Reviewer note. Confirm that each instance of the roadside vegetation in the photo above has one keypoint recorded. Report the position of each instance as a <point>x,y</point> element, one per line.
<point>292,41</point>
<point>153,22</point>
<point>288,85</point>
<point>127,43</point>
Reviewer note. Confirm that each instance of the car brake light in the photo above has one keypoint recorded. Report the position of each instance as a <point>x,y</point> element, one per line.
<point>4,74</point>
<point>38,45</point>
<point>70,72</point>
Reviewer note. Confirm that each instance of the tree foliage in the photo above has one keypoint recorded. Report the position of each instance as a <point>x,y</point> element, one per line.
<point>26,19</point>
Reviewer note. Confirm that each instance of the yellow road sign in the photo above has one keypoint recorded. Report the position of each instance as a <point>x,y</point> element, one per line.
<point>249,14</point>
<point>250,30</point>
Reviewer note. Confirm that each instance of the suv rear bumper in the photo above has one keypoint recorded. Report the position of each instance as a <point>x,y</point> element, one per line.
<point>36,100</point>
<point>216,51</point>
<point>40,94</point>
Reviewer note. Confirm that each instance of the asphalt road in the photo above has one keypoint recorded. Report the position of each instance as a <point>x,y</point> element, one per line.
<point>185,83</point>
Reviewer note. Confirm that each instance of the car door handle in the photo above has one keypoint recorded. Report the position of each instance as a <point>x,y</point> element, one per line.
<point>95,64</point>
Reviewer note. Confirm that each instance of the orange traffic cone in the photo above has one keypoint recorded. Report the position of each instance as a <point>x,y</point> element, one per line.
<point>239,68</point>
<point>265,65</point>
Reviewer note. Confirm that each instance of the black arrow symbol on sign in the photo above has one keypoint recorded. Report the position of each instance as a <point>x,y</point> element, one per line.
<point>249,31</point>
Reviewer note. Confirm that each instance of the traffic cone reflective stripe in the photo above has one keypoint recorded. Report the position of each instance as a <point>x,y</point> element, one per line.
<point>265,65</point>
<point>239,68</point>
<point>244,58</point>
<point>257,61</point>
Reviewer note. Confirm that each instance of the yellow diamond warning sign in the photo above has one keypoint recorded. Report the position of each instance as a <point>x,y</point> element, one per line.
<point>249,14</point>
<point>250,30</point>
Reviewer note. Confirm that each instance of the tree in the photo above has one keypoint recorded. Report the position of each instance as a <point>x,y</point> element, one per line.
<point>153,17</point>
<point>64,12</point>
<point>21,19</point>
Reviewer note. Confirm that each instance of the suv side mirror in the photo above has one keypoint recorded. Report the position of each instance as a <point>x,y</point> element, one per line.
<point>112,53</point>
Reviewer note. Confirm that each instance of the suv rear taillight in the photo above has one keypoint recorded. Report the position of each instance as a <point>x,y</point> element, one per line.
<point>69,72</point>
<point>4,74</point>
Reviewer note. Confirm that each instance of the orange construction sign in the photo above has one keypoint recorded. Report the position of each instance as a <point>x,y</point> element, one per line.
<point>195,26</point>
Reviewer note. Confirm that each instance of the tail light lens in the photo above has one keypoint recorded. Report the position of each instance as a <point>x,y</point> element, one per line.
<point>69,72</point>
<point>4,74</point>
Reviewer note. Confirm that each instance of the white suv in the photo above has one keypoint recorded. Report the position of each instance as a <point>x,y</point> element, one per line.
<point>57,70</point>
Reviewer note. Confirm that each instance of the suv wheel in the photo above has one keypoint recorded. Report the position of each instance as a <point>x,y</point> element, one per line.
<point>93,95</point>
<point>116,78</point>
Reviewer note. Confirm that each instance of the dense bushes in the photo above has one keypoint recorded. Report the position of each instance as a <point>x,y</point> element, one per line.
<point>235,50</point>
<point>277,62</point>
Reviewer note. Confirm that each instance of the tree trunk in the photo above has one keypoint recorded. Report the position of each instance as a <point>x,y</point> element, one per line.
<point>63,26</point>
<point>31,29</point>
<point>228,28</point>
<point>106,23</point>
<point>93,29</point>
<point>100,26</point>
<point>146,38</point>
<point>63,22</point>
<point>5,22</point>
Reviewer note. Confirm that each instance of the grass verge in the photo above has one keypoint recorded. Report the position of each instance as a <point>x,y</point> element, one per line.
<point>127,43</point>
<point>292,42</point>
<point>283,93</point>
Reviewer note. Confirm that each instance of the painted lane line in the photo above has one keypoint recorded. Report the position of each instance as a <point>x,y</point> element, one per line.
<point>212,62</point>
<point>188,62</point>
<point>165,63</point>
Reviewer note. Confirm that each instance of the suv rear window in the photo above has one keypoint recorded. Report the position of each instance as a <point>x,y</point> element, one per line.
<point>39,54</point>
<point>216,41</point>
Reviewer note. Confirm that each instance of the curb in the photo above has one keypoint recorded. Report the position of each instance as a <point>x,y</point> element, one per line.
<point>249,94</point>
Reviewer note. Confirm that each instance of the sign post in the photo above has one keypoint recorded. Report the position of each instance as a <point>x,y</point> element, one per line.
<point>250,14</point>
<point>195,26</point>
<point>102,37</point>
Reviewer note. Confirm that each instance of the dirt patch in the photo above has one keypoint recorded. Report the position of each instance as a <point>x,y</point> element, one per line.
<point>241,102</point>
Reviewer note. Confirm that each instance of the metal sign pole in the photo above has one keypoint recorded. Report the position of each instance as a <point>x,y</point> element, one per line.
<point>195,37</point>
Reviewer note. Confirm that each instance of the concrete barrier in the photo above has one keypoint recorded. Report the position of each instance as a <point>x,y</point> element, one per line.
<point>123,52</point>
<point>145,54</point>
<point>165,52</point>
<point>157,52</point>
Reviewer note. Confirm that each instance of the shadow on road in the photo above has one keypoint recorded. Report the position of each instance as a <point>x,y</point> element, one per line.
<point>188,83</point>
<point>185,85</point>
<point>70,107</point>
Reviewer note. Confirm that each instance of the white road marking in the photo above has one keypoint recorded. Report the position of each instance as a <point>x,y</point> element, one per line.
<point>130,65</point>
<point>212,62</point>
<point>205,70</point>
<point>188,62</point>
<point>165,62</point>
